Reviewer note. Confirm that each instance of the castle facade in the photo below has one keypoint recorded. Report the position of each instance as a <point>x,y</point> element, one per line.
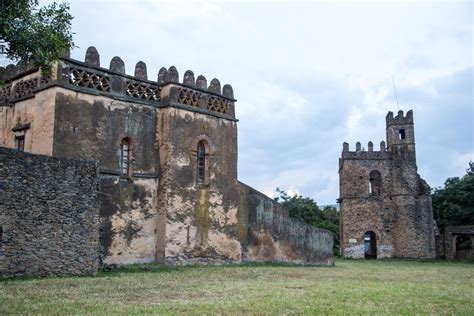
<point>166,155</point>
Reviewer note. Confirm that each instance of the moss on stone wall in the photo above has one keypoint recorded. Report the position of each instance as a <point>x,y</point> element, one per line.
<point>201,209</point>
<point>242,217</point>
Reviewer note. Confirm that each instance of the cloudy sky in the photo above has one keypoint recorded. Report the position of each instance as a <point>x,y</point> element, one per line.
<point>308,76</point>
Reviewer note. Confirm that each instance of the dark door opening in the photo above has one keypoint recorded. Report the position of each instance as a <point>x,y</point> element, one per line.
<point>370,245</point>
<point>463,247</point>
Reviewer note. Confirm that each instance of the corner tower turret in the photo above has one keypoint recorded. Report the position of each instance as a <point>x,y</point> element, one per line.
<point>401,135</point>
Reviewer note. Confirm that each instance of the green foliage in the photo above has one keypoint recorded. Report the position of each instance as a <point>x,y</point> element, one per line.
<point>307,210</point>
<point>453,204</point>
<point>38,35</point>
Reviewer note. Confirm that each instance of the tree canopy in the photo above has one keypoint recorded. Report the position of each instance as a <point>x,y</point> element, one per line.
<point>308,211</point>
<point>453,204</point>
<point>34,34</point>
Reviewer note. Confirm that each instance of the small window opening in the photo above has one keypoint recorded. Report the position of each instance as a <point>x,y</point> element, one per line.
<point>375,182</point>
<point>201,163</point>
<point>401,134</point>
<point>20,142</point>
<point>125,157</point>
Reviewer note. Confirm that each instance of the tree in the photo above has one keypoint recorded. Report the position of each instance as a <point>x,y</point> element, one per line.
<point>453,204</point>
<point>308,211</point>
<point>38,35</point>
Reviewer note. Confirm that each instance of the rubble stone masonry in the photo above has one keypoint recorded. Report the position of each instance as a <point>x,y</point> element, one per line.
<point>49,215</point>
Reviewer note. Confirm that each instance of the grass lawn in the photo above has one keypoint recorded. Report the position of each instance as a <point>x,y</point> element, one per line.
<point>351,287</point>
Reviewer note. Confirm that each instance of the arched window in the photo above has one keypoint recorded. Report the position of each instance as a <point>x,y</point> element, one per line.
<point>20,142</point>
<point>202,177</point>
<point>375,182</point>
<point>125,157</point>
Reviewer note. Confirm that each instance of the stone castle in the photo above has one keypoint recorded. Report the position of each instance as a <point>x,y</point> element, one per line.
<point>99,168</point>
<point>385,205</point>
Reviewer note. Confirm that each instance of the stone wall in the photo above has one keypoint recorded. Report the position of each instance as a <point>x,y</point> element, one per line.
<point>48,215</point>
<point>439,244</point>
<point>451,233</point>
<point>362,211</point>
<point>270,235</point>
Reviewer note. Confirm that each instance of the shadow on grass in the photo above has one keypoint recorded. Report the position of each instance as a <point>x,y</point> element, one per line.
<point>119,270</point>
<point>165,268</point>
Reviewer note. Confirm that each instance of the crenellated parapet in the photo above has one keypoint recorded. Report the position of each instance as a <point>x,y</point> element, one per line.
<point>196,93</point>
<point>361,153</point>
<point>89,77</point>
<point>399,119</point>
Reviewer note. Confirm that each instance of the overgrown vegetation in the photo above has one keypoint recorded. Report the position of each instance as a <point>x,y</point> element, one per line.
<point>453,204</point>
<point>376,287</point>
<point>307,210</point>
<point>35,34</point>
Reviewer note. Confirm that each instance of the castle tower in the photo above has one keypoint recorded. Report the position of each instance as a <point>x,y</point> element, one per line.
<point>385,205</point>
<point>401,136</point>
<point>197,133</point>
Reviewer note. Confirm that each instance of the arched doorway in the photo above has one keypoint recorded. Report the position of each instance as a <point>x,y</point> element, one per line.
<point>370,245</point>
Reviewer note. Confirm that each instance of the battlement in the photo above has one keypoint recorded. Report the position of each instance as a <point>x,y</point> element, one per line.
<point>399,119</point>
<point>89,77</point>
<point>361,153</point>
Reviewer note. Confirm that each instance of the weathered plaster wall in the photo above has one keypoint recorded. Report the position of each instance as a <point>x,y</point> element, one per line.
<point>37,111</point>
<point>49,215</point>
<point>222,220</point>
<point>92,127</point>
<point>201,220</point>
<point>268,234</point>
<point>129,220</point>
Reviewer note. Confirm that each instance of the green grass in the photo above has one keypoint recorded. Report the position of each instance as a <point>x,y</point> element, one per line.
<point>351,287</point>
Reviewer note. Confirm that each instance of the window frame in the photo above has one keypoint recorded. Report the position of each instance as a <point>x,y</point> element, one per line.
<point>402,134</point>
<point>20,142</point>
<point>126,158</point>
<point>202,163</point>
